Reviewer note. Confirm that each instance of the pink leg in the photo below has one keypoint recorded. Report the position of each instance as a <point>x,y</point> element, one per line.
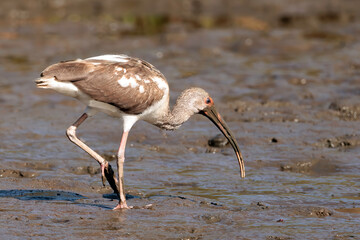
<point>120,164</point>
<point>106,169</point>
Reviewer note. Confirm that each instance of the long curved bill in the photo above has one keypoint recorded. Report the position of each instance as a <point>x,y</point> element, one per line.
<point>211,113</point>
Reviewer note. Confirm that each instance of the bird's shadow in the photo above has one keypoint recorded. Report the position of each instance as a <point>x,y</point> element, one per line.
<point>47,195</point>
<point>57,195</point>
<point>114,196</point>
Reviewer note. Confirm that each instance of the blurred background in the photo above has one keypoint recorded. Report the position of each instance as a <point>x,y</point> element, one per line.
<point>62,28</point>
<point>284,74</point>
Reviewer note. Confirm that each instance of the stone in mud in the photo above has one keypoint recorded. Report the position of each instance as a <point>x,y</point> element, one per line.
<point>218,141</point>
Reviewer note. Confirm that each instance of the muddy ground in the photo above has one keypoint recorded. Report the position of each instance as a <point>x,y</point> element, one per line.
<point>285,76</point>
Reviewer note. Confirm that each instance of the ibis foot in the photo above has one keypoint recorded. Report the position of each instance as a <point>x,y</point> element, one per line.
<point>108,174</point>
<point>122,206</point>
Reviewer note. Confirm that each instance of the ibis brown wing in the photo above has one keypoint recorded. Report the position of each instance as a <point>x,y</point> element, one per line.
<point>100,80</point>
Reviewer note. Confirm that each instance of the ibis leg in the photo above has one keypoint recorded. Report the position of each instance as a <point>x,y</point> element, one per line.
<point>120,165</point>
<point>106,169</point>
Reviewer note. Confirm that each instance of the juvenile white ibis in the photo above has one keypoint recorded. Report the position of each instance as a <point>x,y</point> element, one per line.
<point>130,89</point>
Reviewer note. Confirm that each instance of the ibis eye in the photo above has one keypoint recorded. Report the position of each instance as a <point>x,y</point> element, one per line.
<point>208,101</point>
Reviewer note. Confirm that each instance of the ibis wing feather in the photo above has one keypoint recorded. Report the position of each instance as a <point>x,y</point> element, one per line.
<point>128,85</point>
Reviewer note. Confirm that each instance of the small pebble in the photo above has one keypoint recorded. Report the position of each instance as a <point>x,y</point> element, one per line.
<point>218,141</point>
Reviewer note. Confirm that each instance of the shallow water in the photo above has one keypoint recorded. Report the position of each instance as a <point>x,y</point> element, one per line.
<point>290,93</point>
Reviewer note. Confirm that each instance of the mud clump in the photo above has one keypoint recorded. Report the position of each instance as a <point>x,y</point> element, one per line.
<point>319,212</point>
<point>33,165</point>
<point>4,173</point>
<point>259,206</point>
<point>210,219</point>
<point>109,157</point>
<point>345,141</point>
<point>346,112</point>
<point>317,167</point>
<point>83,170</point>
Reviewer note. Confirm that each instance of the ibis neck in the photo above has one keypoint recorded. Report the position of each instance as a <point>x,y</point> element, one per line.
<point>174,118</point>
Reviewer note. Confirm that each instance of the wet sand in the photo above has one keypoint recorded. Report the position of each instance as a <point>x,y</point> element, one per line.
<point>287,82</point>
